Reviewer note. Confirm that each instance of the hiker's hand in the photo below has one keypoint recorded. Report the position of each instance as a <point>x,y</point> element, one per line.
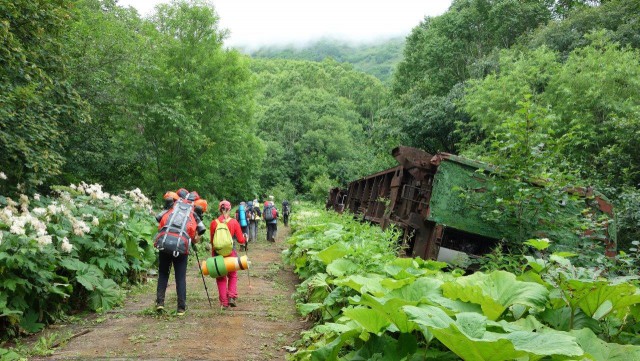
<point>196,239</point>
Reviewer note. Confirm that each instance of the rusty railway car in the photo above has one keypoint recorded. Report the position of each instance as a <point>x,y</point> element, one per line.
<point>419,197</point>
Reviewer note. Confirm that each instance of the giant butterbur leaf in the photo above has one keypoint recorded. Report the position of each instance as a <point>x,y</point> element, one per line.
<point>371,320</point>
<point>335,251</point>
<point>599,350</point>
<point>599,298</point>
<point>468,337</point>
<point>364,284</point>
<point>341,267</point>
<point>495,292</point>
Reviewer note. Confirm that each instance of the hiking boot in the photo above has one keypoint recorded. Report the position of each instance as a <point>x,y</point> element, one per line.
<point>180,312</point>
<point>159,308</point>
<point>232,302</point>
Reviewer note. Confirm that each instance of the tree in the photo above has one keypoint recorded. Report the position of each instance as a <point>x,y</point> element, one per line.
<point>37,102</point>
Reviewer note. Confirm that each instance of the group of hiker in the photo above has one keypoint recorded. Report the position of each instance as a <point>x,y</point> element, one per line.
<point>180,227</point>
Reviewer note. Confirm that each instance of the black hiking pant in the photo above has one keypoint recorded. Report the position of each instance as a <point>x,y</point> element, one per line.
<point>272,229</point>
<point>165,261</point>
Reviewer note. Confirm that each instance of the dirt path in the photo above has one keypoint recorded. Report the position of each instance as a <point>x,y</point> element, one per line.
<point>258,329</point>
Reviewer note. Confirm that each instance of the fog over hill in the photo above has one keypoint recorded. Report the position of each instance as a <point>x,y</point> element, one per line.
<point>377,58</point>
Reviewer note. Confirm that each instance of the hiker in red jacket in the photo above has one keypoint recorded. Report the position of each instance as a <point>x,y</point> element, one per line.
<point>227,285</point>
<point>188,233</point>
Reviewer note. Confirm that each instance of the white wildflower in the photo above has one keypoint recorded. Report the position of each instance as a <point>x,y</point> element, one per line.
<point>11,203</point>
<point>7,212</point>
<point>44,240</point>
<point>80,227</point>
<point>36,197</point>
<point>52,209</point>
<point>95,222</point>
<point>39,211</point>
<point>117,200</point>
<point>66,246</point>
<point>3,176</point>
<point>20,187</point>
<point>1,235</point>
<point>73,186</point>
<point>24,199</point>
<point>17,227</point>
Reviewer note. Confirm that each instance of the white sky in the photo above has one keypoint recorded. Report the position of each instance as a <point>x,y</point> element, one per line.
<point>253,23</point>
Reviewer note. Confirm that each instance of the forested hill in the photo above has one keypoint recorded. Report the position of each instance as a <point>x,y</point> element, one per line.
<point>378,58</point>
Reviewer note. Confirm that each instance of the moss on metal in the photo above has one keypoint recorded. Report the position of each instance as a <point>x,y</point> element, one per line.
<point>449,208</point>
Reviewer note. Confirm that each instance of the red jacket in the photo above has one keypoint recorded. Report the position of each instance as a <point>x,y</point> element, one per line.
<point>234,229</point>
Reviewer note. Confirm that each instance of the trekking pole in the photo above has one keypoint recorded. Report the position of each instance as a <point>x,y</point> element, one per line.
<point>201,274</point>
<point>246,253</point>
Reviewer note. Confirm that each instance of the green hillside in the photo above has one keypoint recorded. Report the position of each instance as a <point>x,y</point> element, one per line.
<point>378,59</point>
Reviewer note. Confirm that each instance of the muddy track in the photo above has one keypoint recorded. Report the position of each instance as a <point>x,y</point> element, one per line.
<point>264,322</point>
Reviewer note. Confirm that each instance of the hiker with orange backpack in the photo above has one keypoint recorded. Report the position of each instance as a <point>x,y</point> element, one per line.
<point>222,231</point>
<point>178,230</point>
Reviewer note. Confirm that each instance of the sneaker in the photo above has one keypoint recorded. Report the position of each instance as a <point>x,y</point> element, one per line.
<point>180,312</point>
<point>159,308</point>
<point>232,302</point>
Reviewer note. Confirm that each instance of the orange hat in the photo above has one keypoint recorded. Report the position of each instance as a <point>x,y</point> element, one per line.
<point>171,195</point>
<point>202,204</point>
<point>224,205</point>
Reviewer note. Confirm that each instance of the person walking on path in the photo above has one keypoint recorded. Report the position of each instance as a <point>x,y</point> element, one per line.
<point>270,216</point>
<point>227,285</point>
<point>286,211</point>
<point>254,215</point>
<point>243,220</point>
<point>189,232</point>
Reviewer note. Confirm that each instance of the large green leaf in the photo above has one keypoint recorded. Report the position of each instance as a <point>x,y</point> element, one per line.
<point>495,292</point>
<point>29,321</point>
<point>341,267</point>
<point>364,283</point>
<point>391,309</point>
<point>330,351</point>
<point>599,298</point>
<point>385,348</point>
<point>335,251</point>
<point>371,320</point>
<point>599,350</point>
<point>468,337</point>
<point>106,295</point>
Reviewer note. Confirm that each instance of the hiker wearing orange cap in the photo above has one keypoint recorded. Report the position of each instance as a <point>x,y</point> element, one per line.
<point>222,230</point>
<point>179,228</point>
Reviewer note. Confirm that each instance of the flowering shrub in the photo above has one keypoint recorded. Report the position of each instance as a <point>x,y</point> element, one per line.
<point>70,251</point>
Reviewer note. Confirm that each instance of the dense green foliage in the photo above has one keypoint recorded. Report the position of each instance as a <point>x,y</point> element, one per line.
<point>38,105</point>
<point>370,305</point>
<point>377,58</point>
<point>545,93</point>
<point>69,252</point>
<point>317,121</point>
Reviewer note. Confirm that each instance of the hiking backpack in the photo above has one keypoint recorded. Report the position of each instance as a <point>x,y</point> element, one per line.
<point>173,238</point>
<point>242,216</point>
<point>270,213</point>
<point>222,240</point>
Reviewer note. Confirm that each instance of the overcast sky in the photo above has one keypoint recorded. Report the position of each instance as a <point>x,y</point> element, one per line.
<point>253,23</point>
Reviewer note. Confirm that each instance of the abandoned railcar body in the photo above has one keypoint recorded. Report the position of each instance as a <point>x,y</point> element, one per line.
<point>419,196</point>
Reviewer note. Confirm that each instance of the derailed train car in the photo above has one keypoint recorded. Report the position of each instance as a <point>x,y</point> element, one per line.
<point>421,197</point>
